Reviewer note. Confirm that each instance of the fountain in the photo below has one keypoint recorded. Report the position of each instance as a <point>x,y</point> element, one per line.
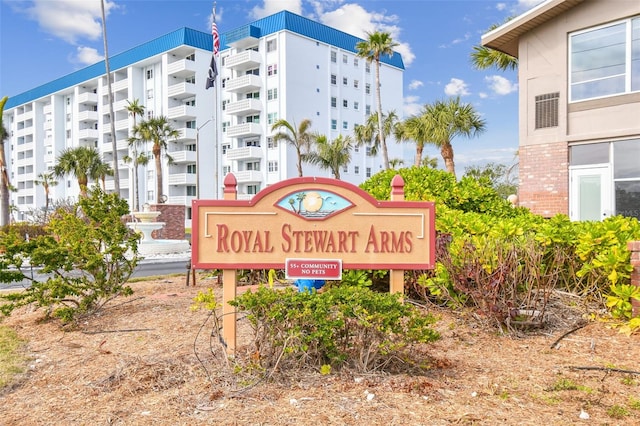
<point>145,225</point>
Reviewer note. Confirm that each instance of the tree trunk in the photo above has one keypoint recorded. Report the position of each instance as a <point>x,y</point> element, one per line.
<point>158,159</point>
<point>383,143</point>
<point>418,161</point>
<point>446,150</point>
<point>114,143</point>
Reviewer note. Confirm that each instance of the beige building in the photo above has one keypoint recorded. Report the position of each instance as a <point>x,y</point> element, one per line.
<point>579,121</point>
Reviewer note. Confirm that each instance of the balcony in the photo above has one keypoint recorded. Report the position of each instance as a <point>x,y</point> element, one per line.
<point>180,200</point>
<point>181,90</point>
<point>88,134</point>
<point>47,109</point>
<point>88,98</point>
<point>244,130</point>
<point>244,107</point>
<point>122,124</point>
<point>181,112</point>
<point>243,60</point>
<point>183,156</point>
<point>186,134</point>
<point>245,153</point>
<point>248,176</point>
<point>181,68</point>
<point>110,184</point>
<point>182,179</point>
<point>246,83</point>
<point>48,125</point>
<point>88,115</point>
<point>119,106</point>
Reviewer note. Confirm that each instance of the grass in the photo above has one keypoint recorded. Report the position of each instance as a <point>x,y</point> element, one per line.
<point>12,361</point>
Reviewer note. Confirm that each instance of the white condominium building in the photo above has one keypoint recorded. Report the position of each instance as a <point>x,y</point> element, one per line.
<point>283,66</point>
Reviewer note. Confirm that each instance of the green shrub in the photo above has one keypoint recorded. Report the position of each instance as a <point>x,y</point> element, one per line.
<point>89,255</point>
<point>345,326</point>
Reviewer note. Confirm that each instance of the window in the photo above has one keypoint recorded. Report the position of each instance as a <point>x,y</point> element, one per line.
<point>272,143</point>
<point>191,190</point>
<point>345,59</point>
<point>191,102</point>
<point>254,165</point>
<point>356,105</point>
<point>68,117</point>
<point>356,148</point>
<point>191,79</point>
<point>345,125</point>
<point>224,104</point>
<point>345,81</point>
<point>547,110</point>
<point>255,71</point>
<point>253,189</point>
<point>356,170</point>
<point>334,79</point>
<point>345,169</point>
<point>225,147</point>
<point>226,170</point>
<point>334,57</point>
<point>271,45</point>
<point>225,124</point>
<point>191,124</point>
<point>254,142</point>
<point>150,94</point>
<point>356,83</point>
<point>69,134</point>
<point>253,95</point>
<point>190,147</point>
<point>149,74</point>
<point>272,117</point>
<point>334,124</point>
<point>367,67</point>
<point>605,61</point>
<point>368,151</point>
<point>367,89</point>
<point>334,102</point>
<point>150,196</point>
<point>355,62</point>
<point>272,69</point>
<point>191,169</point>
<point>368,172</point>
<point>191,57</point>
<point>367,110</point>
<point>345,103</point>
<point>272,94</point>
<point>252,118</point>
<point>273,166</point>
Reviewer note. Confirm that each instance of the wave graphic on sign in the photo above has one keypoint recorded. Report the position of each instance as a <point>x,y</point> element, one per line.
<point>313,204</point>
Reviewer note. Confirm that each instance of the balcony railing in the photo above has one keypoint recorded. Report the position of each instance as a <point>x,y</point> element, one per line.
<point>180,200</point>
<point>245,153</point>
<point>88,134</point>
<point>181,112</point>
<point>243,60</point>
<point>183,156</point>
<point>246,83</point>
<point>186,133</point>
<point>244,130</point>
<point>244,107</point>
<point>182,67</point>
<point>88,98</point>
<point>88,115</point>
<point>181,90</point>
<point>182,179</point>
<point>247,176</point>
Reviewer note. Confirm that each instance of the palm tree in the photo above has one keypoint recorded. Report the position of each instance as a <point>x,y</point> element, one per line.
<point>156,130</point>
<point>299,138</point>
<point>4,175</point>
<point>484,57</point>
<point>330,155</point>
<point>114,143</point>
<point>445,120</point>
<point>369,133</point>
<point>101,171</point>
<point>47,180</point>
<point>82,162</point>
<point>139,159</point>
<point>395,162</point>
<point>414,128</point>
<point>135,109</point>
<point>371,49</point>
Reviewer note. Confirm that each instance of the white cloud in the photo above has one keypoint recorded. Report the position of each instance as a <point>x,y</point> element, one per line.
<point>415,84</point>
<point>524,5</point>
<point>500,85</point>
<point>273,6</point>
<point>69,20</point>
<point>456,87</point>
<point>483,95</point>
<point>87,55</point>
<point>355,20</point>
<point>411,106</point>
<point>501,6</point>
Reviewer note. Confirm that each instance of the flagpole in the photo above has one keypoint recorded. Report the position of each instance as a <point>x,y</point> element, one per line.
<point>211,82</point>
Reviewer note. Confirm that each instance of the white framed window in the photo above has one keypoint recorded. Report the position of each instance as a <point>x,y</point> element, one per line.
<point>191,169</point>
<point>356,105</point>
<point>367,89</point>
<point>605,60</point>
<point>150,94</point>
<point>149,74</point>
<point>272,45</point>
<point>225,148</point>
<point>345,125</point>
<point>345,103</point>
<point>367,172</point>
<point>345,81</point>
<point>273,166</point>
<point>334,79</point>
<point>191,190</point>
<point>334,124</point>
<point>272,94</point>
<point>150,195</point>
<point>356,170</point>
<point>355,62</point>
<point>367,67</point>
<point>272,143</point>
<point>334,102</point>
<point>272,117</point>
<point>356,83</point>
<point>345,59</point>
<point>367,110</point>
<point>272,69</point>
<point>334,56</point>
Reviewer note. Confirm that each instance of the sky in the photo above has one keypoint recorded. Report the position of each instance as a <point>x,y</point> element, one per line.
<point>42,40</point>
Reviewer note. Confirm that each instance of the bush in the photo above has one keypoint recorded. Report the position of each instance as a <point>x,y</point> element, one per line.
<point>89,254</point>
<point>345,326</point>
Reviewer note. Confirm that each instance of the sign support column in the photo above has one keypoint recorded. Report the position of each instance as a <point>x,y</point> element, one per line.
<point>396,276</point>
<point>229,280</point>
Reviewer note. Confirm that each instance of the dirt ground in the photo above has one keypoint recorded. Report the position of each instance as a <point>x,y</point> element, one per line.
<point>147,361</point>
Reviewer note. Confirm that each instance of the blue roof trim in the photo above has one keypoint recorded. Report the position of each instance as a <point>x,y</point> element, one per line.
<point>183,36</point>
<point>284,20</point>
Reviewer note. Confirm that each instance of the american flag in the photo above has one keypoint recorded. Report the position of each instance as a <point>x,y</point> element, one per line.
<point>213,69</point>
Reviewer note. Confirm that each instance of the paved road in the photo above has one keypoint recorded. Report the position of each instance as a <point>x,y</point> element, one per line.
<point>146,268</point>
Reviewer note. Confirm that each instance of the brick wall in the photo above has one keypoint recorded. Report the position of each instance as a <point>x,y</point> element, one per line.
<point>173,217</point>
<point>544,178</point>
<point>634,248</point>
